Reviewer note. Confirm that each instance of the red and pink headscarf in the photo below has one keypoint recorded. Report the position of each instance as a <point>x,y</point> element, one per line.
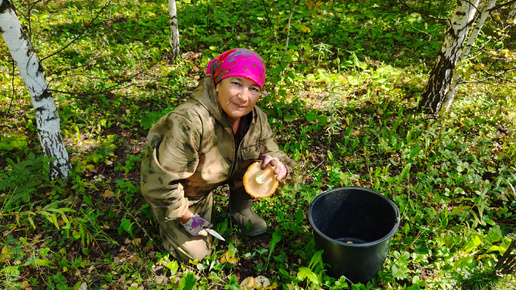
<point>239,62</point>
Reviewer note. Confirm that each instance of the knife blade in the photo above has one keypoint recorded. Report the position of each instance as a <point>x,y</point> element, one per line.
<point>215,234</point>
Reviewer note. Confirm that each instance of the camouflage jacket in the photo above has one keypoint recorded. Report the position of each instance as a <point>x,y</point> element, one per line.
<point>192,150</point>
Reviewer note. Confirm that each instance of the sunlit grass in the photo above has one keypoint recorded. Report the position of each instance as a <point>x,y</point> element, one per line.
<point>341,100</point>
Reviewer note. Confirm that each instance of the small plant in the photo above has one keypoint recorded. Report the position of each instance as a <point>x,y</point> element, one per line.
<point>21,181</point>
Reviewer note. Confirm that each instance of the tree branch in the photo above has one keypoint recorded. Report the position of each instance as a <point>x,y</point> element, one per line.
<point>79,36</point>
<point>269,21</point>
<point>490,77</point>
<point>108,89</point>
<point>288,29</point>
<point>422,13</point>
<point>503,5</point>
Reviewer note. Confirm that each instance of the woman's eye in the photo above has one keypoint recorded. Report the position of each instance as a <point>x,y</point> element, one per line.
<point>236,84</point>
<point>255,90</point>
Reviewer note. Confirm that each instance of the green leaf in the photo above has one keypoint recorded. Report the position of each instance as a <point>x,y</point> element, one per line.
<point>399,272</point>
<point>472,244</point>
<point>414,152</point>
<point>187,283</point>
<point>495,234</point>
<point>127,226</point>
<point>305,273</point>
<point>310,117</point>
<point>233,283</point>
<point>406,170</point>
<point>276,237</point>
<point>316,260</point>
<point>43,262</point>
<point>172,266</point>
<point>499,249</point>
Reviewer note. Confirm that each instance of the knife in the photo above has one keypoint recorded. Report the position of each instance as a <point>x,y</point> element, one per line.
<point>215,234</point>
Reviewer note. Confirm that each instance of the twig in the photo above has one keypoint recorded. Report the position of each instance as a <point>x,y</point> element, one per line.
<point>269,21</point>
<point>288,28</point>
<point>424,14</point>
<point>90,61</point>
<point>136,221</point>
<point>91,235</point>
<point>286,45</point>
<point>108,89</point>
<point>79,36</point>
<point>13,90</point>
<point>491,76</point>
<point>507,261</point>
<point>503,5</point>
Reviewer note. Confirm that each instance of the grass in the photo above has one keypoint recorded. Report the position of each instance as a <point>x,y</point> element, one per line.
<point>340,99</point>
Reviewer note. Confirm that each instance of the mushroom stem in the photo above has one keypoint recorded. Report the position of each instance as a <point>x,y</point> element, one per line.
<point>260,179</point>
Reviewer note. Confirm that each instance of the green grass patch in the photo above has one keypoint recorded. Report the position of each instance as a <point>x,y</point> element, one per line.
<point>340,97</point>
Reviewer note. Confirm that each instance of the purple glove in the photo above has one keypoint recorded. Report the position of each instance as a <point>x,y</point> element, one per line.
<point>196,224</point>
<point>280,169</point>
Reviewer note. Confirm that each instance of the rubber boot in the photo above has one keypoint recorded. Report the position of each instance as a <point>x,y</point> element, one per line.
<point>241,208</point>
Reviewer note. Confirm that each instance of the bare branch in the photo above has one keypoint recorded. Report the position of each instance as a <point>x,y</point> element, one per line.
<point>288,29</point>
<point>503,5</point>
<point>490,77</point>
<point>410,8</point>
<point>108,89</point>
<point>269,21</point>
<point>79,36</point>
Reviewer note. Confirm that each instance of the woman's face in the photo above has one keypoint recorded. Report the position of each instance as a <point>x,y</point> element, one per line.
<point>237,96</point>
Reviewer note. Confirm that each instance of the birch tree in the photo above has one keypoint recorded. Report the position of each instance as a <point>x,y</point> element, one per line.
<point>512,20</point>
<point>477,27</point>
<point>174,29</point>
<point>442,75</point>
<point>47,117</point>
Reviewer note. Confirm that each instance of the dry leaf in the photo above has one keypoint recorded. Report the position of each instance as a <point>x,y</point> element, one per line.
<point>107,194</point>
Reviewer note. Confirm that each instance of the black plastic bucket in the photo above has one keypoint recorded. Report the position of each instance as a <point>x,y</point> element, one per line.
<point>354,227</point>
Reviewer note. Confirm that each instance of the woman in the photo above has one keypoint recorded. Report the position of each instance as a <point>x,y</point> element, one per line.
<point>208,141</point>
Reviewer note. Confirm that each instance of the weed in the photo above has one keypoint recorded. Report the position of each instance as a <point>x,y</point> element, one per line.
<point>342,81</point>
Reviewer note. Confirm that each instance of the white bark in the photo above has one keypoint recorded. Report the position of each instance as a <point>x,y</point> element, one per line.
<point>512,14</point>
<point>174,29</point>
<point>47,117</point>
<point>442,74</point>
<point>448,100</point>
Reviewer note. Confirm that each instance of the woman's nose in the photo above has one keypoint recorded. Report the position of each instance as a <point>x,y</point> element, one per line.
<point>245,93</point>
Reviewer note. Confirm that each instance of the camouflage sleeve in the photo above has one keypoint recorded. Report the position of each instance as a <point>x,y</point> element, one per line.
<point>271,148</point>
<point>171,157</point>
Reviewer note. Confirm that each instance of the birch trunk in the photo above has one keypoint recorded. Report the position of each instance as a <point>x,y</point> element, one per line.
<point>442,74</point>
<point>512,14</point>
<point>174,29</point>
<point>47,117</point>
<point>512,22</point>
<point>450,96</point>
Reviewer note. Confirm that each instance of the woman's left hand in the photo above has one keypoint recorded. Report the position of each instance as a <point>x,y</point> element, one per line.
<point>280,170</point>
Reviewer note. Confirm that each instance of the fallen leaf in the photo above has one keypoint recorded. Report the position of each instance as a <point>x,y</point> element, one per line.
<point>107,194</point>
<point>262,281</point>
<point>248,283</point>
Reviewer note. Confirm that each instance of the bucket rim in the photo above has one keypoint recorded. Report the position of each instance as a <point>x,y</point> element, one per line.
<point>362,245</point>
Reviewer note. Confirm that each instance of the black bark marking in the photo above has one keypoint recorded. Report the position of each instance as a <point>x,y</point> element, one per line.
<point>54,116</point>
<point>39,109</point>
<point>45,95</point>
<point>6,5</point>
<point>433,97</point>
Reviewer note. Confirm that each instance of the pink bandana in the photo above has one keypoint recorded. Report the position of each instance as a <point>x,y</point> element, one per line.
<point>239,62</point>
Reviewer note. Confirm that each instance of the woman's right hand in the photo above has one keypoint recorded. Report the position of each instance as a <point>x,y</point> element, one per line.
<point>280,170</point>
<point>195,224</point>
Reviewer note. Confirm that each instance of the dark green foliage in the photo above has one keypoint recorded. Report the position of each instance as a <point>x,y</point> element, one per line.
<point>340,97</point>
